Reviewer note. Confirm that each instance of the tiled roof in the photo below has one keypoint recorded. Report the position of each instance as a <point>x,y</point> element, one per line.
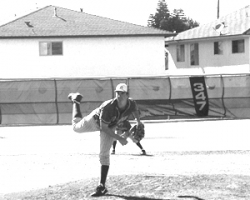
<point>236,23</point>
<point>68,23</point>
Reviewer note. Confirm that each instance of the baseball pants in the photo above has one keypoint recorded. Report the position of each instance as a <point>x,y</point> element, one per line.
<point>88,124</point>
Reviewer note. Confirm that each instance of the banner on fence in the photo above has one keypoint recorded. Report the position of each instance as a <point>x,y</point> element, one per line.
<point>200,97</point>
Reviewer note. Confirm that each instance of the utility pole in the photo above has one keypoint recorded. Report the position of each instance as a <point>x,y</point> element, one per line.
<point>218,9</point>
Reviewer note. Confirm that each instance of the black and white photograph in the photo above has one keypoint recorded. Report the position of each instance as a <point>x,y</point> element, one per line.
<point>125,100</point>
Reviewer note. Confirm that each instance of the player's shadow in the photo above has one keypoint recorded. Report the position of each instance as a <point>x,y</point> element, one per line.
<point>141,155</point>
<point>134,197</point>
<point>191,197</point>
<point>127,154</point>
<point>146,198</point>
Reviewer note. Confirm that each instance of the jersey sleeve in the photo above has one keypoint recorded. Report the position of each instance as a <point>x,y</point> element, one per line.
<point>134,106</point>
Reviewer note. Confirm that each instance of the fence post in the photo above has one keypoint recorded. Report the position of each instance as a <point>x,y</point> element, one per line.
<point>56,103</point>
<point>0,115</point>
<point>222,96</point>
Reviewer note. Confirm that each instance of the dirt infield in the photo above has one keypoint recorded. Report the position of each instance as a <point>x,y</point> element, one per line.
<point>186,160</point>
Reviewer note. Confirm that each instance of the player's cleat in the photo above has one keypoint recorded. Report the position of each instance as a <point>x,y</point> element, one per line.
<point>143,152</point>
<point>75,97</point>
<point>113,152</point>
<point>100,191</point>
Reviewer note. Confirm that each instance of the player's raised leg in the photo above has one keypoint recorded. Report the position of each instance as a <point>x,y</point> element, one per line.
<point>76,99</point>
<point>80,124</point>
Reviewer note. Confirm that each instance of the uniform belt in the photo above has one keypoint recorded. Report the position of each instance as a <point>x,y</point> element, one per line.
<point>97,119</point>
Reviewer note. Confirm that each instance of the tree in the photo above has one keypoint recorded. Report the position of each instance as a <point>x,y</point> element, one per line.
<point>160,16</point>
<point>174,22</point>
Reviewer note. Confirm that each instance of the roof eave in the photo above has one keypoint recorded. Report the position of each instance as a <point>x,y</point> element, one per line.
<point>247,32</point>
<point>205,38</point>
<point>87,36</point>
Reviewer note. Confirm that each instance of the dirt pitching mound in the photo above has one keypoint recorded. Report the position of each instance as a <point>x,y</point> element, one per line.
<point>139,187</point>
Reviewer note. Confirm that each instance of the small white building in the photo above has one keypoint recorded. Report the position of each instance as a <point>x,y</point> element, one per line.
<point>219,47</point>
<point>56,42</point>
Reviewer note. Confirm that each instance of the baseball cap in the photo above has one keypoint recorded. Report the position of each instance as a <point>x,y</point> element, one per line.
<point>122,87</point>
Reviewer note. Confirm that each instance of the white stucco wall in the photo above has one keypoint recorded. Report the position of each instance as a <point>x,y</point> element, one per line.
<point>225,63</point>
<point>207,57</point>
<point>84,57</point>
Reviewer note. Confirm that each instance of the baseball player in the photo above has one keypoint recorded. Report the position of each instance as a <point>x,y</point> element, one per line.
<point>123,129</point>
<point>105,119</point>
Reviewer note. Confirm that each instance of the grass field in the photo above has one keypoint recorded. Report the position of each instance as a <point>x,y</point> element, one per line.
<point>200,160</point>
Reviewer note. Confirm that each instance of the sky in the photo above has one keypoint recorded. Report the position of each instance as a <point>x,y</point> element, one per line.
<point>132,11</point>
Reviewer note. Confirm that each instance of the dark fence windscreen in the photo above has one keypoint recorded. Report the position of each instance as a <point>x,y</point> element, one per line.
<point>44,101</point>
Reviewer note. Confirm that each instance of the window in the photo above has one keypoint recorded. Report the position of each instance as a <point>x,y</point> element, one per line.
<point>50,48</point>
<point>166,60</point>
<point>218,48</point>
<point>238,46</point>
<point>180,53</point>
<point>194,54</point>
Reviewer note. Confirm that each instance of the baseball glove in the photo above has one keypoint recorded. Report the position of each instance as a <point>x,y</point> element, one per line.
<point>138,132</point>
<point>124,126</point>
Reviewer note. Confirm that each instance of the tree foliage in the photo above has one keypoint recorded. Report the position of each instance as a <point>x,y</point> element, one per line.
<point>174,22</point>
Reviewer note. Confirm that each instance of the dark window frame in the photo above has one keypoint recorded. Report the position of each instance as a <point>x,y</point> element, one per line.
<point>236,46</point>
<point>218,48</point>
<point>194,54</point>
<point>180,53</point>
<point>51,48</point>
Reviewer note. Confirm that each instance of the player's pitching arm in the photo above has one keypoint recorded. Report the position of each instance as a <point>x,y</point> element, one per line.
<point>104,127</point>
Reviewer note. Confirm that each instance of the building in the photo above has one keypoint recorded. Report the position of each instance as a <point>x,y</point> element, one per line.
<point>58,42</point>
<point>53,51</point>
<point>219,47</point>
